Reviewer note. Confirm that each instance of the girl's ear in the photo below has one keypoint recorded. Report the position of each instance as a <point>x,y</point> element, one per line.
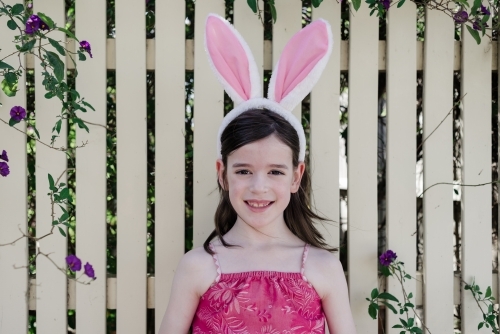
<point>297,176</point>
<point>219,166</point>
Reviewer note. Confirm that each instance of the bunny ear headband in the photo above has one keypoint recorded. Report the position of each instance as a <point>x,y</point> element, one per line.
<point>297,71</point>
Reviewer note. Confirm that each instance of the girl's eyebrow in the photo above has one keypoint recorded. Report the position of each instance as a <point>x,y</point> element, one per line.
<point>237,165</point>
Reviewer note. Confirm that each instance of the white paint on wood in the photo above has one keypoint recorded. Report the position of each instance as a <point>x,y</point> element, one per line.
<point>169,149</point>
<point>362,164</point>
<point>438,167</point>
<point>401,145</point>
<point>208,113</point>
<point>476,150</point>
<point>91,169</point>
<point>324,137</point>
<point>51,300</point>
<point>289,21</point>
<point>13,221</point>
<point>131,177</point>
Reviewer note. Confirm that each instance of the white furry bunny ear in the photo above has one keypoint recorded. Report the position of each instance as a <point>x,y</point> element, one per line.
<point>231,60</point>
<point>301,64</point>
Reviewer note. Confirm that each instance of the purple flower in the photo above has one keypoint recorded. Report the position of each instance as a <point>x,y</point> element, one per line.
<point>86,47</point>
<point>30,5</point>
<point>387,258</point>
<point>33,24</point>
<point>461,16</point>
<point>386,4</point>
<point>89,271</point>
<point>18,113</point>
<point>4,156</point>
<point>4,169</point>
<point>485,10</point>
<point>74,263</point>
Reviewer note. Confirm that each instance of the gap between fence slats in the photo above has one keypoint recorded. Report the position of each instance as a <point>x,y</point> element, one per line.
<point>51,291</point>
<point>400,203</point>
<point>170,113</point>
<point>438,220</point>
<point>91,170</point>
<point>13,204</point>
<point>208,113</point>
<point>131,160</point>
<point>362,165</point>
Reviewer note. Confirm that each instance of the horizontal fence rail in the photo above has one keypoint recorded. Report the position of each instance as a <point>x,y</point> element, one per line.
<point>344,55</point>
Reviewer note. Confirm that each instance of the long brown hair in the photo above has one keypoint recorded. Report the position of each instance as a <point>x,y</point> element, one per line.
<point>249,127</point>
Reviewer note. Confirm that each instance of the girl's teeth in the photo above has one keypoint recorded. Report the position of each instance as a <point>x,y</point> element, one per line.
<point>257,205</point>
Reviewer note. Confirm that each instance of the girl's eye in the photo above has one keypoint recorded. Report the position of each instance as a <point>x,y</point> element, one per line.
<point>277,172</point>
<point>243,172</point>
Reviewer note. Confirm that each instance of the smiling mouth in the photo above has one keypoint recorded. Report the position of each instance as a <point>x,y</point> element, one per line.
<point>259,204</point>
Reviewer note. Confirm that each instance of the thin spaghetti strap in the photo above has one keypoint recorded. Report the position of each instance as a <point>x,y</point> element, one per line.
<point>216,261</point>
<point>304,258</point>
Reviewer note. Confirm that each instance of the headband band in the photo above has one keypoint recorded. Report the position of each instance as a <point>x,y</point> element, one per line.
<point>298,69</point>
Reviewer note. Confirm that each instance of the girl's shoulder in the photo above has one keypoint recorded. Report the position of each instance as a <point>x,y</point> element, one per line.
<point>323,269</point>
<point>198,265</point>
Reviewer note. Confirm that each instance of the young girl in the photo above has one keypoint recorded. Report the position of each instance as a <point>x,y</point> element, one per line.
<point>265,268</point>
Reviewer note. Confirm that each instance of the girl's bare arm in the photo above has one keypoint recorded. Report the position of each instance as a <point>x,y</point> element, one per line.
<point>193,276</point>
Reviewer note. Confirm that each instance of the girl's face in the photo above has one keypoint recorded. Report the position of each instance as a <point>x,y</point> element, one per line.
<point>260,177</point>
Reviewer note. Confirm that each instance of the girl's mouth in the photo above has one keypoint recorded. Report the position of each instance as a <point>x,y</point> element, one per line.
<point>259,205</point>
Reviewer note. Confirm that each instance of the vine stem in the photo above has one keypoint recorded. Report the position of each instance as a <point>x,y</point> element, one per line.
<point>479,305</point>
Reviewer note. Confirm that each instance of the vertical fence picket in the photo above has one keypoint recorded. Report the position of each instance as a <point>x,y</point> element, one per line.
<point>401,145</point>
<point>438,167</point>
<point>91,168</point>
<point>324,137</point>
<point>476,150</point>
<point>14,282</point>
<point>51,291</point>
<point>362,164</point>
<point>131,163</point>
<point>208,112</point>
<point>287,24</point>
<point>169,148</point>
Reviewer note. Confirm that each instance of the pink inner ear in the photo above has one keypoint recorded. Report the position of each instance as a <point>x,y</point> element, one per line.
<point>228,56</point>
<point>301,54</point>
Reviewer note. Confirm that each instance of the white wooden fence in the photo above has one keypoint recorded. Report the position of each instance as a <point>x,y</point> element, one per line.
<point>131,292</point>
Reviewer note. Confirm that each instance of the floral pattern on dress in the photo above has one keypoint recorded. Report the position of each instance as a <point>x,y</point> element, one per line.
<point>260,303</point>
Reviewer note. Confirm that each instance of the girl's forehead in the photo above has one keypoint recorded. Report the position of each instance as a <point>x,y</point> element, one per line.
<point>269,150</point>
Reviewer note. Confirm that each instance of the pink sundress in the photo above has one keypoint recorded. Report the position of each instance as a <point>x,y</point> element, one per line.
<point>260,302</point>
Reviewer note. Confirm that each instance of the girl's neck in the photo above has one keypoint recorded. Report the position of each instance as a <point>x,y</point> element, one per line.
<point>245,235</point>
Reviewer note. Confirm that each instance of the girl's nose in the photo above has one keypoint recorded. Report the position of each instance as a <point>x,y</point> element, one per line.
<point>259,184</point>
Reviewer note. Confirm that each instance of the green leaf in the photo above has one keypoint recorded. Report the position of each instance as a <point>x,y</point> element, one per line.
<point>12,24</point>
<point>374,293</point>
<point>62,208</point>
<point>88,105</point>
<point>401,3</point>
<point>55,222</point>
<point>57,46</point>
<point>12,122</point>
<point>316,3</point>
<point>69,33</point>
<point>17,9</point>
<point>57,64</point>
<point>388,296</point>
<point>80,124</point>
<point>474,34</point>
<point>52,183</point>
<point>488,292</point>
<point>274,14</point>
<point>28,45</point>
<point>403,322</point>
<point>410,296</point>
<point>385,271</point>
<point>410,322</point>
<point>62,231</point>
<point>65,194</point>
<point>416,330</point>
<point>81,56</point>
<point>49,95</point>
<point>47,20</point>
<point>58,126</point>
<point>356,4</point>
<point>4,65</point>
<point>407,276</point>
<point>64,217</point>
<point>36,132</point>
<point>481,324</point>
<point>397,326</point>
<point>372,310</point>
<point>8,88</point>
<point>253,5</point>
<point>389,305</point>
